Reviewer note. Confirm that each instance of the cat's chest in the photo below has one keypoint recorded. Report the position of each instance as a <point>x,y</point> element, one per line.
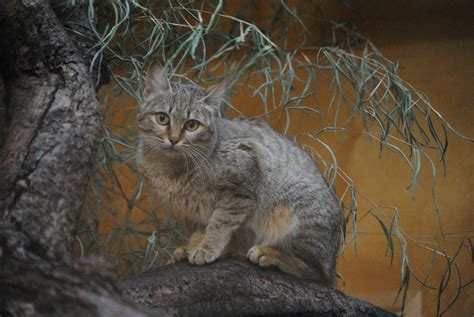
<point>184,199</point>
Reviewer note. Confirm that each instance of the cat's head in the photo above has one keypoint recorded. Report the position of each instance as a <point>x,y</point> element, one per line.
<point>175,118</point>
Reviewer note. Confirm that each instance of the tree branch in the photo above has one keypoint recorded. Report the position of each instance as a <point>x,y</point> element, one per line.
<point>235,287</point>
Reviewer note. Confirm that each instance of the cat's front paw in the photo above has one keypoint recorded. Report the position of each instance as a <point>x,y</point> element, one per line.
<point>202,254</point>
<point>179,255</point>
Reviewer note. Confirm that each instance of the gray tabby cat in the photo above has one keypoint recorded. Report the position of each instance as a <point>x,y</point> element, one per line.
<point>246,189</point>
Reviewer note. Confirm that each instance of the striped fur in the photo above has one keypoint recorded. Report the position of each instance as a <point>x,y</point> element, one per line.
<point>239,182</point>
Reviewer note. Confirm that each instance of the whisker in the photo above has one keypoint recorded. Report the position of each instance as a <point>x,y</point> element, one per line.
<point>204,163</point>
<point>195,161</point>
<point>203,156</point>
<point>204,160</point>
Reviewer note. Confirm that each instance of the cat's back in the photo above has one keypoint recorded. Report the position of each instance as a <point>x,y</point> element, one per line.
<point>273,150</point>
<point>286,174</point>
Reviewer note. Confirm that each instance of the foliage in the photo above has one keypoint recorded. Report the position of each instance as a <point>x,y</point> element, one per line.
<point>206,41</point>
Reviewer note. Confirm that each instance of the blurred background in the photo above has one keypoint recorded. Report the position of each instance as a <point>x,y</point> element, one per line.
<point>369,88</point>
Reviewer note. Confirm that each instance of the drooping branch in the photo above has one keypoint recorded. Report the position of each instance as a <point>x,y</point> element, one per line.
<point>235,287</point>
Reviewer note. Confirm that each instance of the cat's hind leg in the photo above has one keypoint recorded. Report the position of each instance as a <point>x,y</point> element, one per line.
<point>266,256</point>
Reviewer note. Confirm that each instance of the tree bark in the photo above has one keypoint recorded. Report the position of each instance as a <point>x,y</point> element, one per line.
<point>235,287</point>
<point>52,129</point>
<point>52,126</point>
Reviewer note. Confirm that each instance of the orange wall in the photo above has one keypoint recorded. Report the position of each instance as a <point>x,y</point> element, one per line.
<point>435,52</point>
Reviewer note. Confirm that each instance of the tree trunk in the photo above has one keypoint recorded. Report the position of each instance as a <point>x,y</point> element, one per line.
<point>52,126</point>
<point>52,129</point>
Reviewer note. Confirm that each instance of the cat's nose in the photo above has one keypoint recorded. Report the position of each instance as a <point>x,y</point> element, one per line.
<point>173,141</point>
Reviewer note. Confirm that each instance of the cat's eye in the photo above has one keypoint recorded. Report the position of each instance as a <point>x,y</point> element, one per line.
<point>162,118</point>
<point>191,125</point>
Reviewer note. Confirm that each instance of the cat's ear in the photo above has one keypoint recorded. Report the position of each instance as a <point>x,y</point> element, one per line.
<point>156,81</point>
<point>216,96</point>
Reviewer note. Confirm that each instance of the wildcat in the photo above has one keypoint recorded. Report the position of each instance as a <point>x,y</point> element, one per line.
<point>243,187</point>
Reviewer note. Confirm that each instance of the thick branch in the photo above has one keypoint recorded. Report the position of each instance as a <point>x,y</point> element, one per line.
<point>34,286</point>
<point>236,287</point>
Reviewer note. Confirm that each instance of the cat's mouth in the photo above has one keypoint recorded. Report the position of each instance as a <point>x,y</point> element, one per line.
<point>172,149</point>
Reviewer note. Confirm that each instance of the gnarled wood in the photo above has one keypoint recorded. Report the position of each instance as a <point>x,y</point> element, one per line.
<point>235,287</point>
<point>34,286</point>
<point>53,124</point>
